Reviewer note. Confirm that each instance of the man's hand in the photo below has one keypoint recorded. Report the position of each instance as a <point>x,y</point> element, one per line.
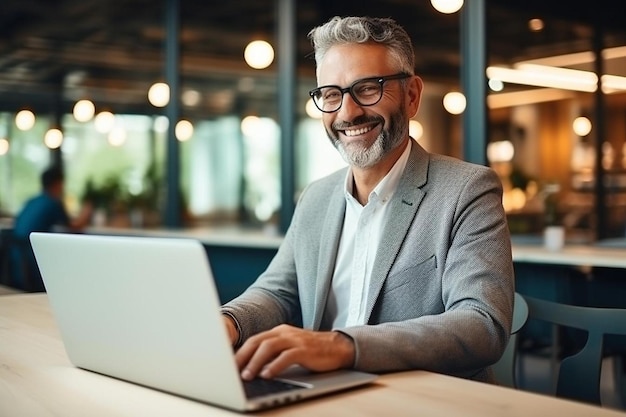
<point>269,353</point>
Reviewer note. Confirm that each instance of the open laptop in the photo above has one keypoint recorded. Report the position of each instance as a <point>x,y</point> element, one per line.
<point>146,310</point>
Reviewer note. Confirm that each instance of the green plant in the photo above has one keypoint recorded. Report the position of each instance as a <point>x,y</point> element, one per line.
<point>104,195</point>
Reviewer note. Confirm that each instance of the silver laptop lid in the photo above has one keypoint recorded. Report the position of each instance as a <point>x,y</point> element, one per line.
<point>141,309</point>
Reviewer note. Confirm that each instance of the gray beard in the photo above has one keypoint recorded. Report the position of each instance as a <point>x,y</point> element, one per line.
<point>358,155</point>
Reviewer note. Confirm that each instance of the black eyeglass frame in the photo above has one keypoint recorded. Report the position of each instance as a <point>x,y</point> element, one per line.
<point>381,81</point>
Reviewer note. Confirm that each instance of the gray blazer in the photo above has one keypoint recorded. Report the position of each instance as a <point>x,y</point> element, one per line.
<point>441,295</point>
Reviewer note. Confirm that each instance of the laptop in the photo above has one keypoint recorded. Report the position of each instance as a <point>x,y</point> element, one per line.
<point>146,310</point>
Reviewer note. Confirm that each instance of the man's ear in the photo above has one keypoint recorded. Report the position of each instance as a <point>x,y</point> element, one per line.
<point>414,96</point>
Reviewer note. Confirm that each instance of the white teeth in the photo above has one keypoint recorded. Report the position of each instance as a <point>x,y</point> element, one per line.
<point>356,132</point>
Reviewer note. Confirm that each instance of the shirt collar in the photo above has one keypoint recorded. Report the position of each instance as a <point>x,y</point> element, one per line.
<point>387,186</point>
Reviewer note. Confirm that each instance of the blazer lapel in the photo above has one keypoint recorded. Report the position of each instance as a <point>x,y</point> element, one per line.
<point>402,211</point>
<point>329,245</point>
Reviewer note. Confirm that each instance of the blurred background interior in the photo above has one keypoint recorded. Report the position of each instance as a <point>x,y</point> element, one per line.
<point>79,85</point>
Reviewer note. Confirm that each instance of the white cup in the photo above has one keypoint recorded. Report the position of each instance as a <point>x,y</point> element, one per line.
<point>554,237</point>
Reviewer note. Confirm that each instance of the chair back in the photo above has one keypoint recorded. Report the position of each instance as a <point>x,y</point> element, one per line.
<point>504,369</point>
<point>579,374</point>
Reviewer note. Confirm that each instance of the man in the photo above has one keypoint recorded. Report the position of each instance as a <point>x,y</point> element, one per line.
<point>400,261</point>
<point>40,214</point>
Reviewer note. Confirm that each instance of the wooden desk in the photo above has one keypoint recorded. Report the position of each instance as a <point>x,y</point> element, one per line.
<point>4,290</point>
<point>572,255</point>
<point>36,379</point>
<point>235,237</point>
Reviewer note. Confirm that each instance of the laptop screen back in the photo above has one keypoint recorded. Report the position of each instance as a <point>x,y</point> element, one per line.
<point>141,309</point>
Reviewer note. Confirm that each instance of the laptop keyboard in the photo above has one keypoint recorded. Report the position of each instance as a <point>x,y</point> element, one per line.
<point>259,387</point>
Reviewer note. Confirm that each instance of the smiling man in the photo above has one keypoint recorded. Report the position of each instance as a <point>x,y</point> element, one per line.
<point>401,260</point>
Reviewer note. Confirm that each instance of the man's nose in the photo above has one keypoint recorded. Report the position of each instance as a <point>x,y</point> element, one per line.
<point>349,108</point>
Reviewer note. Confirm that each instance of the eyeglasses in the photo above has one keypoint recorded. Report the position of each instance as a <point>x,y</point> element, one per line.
<point>365,92</point>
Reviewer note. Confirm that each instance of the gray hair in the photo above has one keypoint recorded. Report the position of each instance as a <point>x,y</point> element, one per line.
<point>384,31</point>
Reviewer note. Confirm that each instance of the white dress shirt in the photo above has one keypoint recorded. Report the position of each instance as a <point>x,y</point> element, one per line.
<point>362,228</point>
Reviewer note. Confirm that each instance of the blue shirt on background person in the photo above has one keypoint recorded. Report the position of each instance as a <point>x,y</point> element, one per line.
<point>41,213</point>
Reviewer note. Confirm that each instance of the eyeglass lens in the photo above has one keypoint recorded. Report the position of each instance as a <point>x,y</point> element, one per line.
<point>365,93</point>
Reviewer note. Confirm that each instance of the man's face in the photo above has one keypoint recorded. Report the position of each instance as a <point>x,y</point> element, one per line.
<point>364,135</point>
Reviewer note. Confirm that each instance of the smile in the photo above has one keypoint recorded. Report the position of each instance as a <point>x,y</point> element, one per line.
<point>359,131</point>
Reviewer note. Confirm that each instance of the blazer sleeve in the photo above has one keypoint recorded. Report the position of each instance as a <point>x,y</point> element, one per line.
<point>454,284</point>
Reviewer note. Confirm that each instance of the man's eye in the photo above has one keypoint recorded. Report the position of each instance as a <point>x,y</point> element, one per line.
<point>331,95</point>
<point>367,89</point>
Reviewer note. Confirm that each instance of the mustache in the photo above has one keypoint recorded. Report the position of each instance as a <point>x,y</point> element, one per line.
<point>357,121</point>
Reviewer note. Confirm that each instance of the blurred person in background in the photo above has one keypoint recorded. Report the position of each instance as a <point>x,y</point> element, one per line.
<point>42,213</point>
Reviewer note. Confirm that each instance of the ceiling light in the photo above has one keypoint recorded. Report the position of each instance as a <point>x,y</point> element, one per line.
<point>557,75</point>
<point>454,102</point>
<point>500,151</point>
<point>53,138</point>
<point>447,6</point>
<point>613,83</point>
<point>159,94</point>
<point>84,110</point>
<point>534,96</point>
<point>259,54</point>
<point>544,76</point>
<point>250,125</point>
<point>581,126</point>
<point>496,85</point>
<point>191,98</point>
<point>311,110</point>
<point>4,146</point>
<point>25,120</point>
<point>184,130</point>
<point>104,121</point>
<point>416,130</point>
<point>536,25</point>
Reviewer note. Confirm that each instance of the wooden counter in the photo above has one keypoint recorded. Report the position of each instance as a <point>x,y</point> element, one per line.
<point>37,380</point>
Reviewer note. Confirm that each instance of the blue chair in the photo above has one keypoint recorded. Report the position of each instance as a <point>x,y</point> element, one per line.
<point>579,372</point>
<point>505,368</point>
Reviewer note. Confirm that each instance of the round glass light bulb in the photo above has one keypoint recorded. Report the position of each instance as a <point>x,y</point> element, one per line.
<point>4,146</point>
<point>250,125</point>
<point>495,85</point>
<point>191,98</point>
<point>259,54</point>
<point>311,110</point>
<point>25,120</point>
<point>84,110</point>
<point>159,94</point>
<point>416,130</point>
<point>536,25</point>
<point>53,138</point>
<point>184,130</point>
<point>581,126</point>
<point>500,151</point>
<point>447,6</point>
<point>454,102</point>
<point>104,121</point>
